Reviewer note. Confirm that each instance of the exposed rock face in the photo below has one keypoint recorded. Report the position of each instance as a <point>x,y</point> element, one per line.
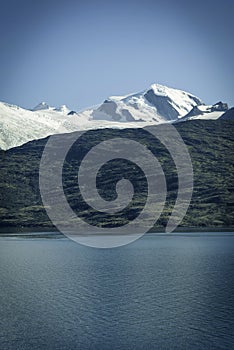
<point>162,104</point>
<point>71,113</point>
<point>194,111</point>
<point>228,115</point>
<point>206,112</point>
<point>157,104</point>
<point>41,106</point>
<point>220,106</point>
<point>109,108</point>
<point>127,115</point>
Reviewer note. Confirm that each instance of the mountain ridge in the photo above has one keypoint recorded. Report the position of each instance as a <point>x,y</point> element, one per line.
<point>155,105</point>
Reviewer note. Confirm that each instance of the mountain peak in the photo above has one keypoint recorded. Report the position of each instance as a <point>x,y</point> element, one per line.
<point>63,109</point>
<point>156,104</point>
<point>41,106</point>
<point>159,89</point>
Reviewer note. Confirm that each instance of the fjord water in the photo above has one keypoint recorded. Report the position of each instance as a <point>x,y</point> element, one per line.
<point>160,292</point>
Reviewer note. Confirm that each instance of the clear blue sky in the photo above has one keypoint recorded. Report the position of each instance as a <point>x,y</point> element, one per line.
<point>80,52</point>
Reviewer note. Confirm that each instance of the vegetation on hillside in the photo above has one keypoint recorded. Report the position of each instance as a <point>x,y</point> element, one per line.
<point>210,144</point>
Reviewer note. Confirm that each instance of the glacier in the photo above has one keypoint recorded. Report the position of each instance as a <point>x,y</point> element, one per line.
<point>156,105</point>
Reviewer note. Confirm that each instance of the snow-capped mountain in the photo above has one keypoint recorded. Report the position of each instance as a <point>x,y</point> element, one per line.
<point>155,105</point>
<point>206,112</point>
<point>42,106</point>
<point>19,125</point>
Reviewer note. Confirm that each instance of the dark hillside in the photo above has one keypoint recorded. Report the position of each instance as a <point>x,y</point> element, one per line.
<point>210,145</point>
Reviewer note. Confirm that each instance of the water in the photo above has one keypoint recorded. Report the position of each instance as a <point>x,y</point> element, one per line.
<point>160,292</point>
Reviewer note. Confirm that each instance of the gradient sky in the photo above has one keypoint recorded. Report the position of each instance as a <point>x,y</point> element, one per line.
<point>80,52</point>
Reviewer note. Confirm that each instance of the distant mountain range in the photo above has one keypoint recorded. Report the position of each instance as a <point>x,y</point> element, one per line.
<point>156,105</point>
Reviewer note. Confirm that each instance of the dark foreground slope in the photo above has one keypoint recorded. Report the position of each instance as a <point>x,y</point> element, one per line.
<point>210,144</point>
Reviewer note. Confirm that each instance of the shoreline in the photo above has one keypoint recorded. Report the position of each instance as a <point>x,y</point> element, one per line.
<point>53,233</point>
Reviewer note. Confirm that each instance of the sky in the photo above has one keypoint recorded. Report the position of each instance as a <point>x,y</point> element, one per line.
<point>80,52</point>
